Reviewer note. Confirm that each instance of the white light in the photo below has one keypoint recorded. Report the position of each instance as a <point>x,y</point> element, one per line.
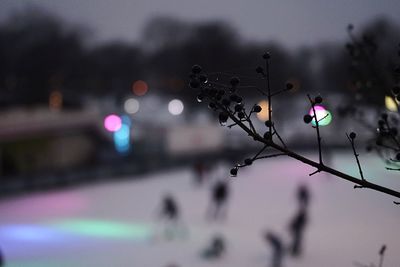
<point>131,106</point>
<point>175,107</point>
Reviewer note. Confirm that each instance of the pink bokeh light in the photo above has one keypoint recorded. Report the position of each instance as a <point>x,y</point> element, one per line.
<point>112,123</point>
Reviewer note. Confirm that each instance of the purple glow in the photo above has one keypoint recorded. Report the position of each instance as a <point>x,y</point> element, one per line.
<point>112,123</point>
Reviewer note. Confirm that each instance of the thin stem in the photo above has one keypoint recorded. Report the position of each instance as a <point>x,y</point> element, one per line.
<point>269,95</point>
<point>356,156</point>
<point>259,152</point>
<point>250,122</point>
<point>279,137</point>
<point>272,156</point>
<point>317,128</point>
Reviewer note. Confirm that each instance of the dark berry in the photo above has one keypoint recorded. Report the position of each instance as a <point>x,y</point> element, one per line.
<point>239,99</point>
<point>318,99</point>
<point>257,108</point>
<point>398,156</point>
<point>196,69</point>
<point>268,135</point>
<point>398,98</point>
<point>289,86</point>
<point>200,98</point>
<point>241,115</point>
<point>268,123</point>
<point>238,107</point>
<point>223,117</point>
<point>352,135</point>
<point>266,55</point>
<point>259,70</point>
<point>307,118</point>
<point>234,171</point>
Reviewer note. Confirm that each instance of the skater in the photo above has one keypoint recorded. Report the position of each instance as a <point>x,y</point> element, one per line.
<point>199,170</point>
<point>170,213</point>
<point>220,195</point>
<point>277,248</point>
<point>296,229</point>
<point>169,208</point>
<point>216,248</point>
<point>303,196</point>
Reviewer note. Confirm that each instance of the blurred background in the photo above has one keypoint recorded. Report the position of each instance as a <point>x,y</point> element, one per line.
<point>98,124</point>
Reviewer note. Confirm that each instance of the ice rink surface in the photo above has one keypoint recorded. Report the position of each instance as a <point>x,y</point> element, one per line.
<point>115,224</point>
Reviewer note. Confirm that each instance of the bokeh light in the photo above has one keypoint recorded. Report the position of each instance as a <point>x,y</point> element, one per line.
<point>140,87</point>
<point>391,104</point>
<point>324,116</point>
<point>175,107</point>
<point>55,100</point>
<point>122,139</point>
<point>131,106</point>
<point>263,114</point>
<point>112,123</point>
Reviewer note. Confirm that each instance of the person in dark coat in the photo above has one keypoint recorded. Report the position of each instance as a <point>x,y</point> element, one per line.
<point>169,209</point>
<point>170,212</point>
<point>216,249</point>
<point>219,198</point>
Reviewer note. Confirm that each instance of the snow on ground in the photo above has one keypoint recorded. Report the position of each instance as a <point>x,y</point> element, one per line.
<point>114,224</point>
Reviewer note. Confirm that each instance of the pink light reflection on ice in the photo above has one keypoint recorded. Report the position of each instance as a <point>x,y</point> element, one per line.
<point>49,205</point>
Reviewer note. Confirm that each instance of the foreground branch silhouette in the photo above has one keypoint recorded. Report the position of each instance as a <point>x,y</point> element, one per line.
<point>223,98</point>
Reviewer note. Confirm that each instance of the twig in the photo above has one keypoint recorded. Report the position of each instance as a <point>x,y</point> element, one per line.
<point>279,137</point>
<point>266,57</point>
<point>351,138</point>
<point>272,156</point>
<point>317,128</point>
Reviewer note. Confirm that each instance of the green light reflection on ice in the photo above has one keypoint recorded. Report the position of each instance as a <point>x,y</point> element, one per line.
<point>104,229</point>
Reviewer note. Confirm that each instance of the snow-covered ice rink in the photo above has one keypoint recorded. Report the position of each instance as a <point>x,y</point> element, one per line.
<point>114,224</point>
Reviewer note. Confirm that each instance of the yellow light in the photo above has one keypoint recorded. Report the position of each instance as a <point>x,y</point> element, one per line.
<point>263,114</point>
<point>391,104</point>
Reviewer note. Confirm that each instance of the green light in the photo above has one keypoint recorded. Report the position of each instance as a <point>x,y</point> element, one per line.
<point>324,116</point>
<point>104,229</point>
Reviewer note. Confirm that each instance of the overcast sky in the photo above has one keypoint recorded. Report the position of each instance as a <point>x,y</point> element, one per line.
<point>291,22</point>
